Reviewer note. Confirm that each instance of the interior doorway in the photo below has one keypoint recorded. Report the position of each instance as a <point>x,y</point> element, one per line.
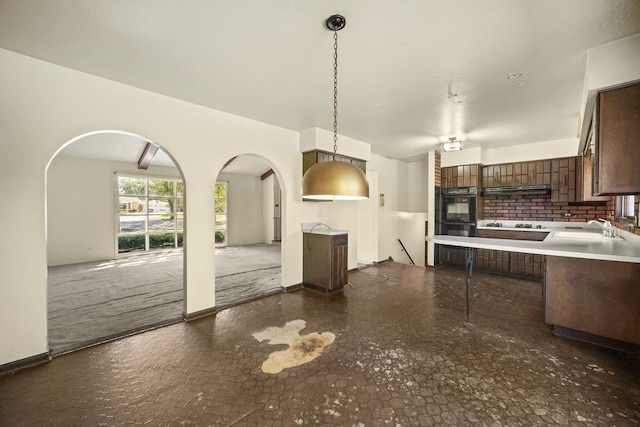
<point>249,264</point>
<point>115,259</point>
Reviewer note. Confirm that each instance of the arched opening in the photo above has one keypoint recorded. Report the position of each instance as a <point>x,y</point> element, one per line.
<point>115,227</point>
<point>248,256</point>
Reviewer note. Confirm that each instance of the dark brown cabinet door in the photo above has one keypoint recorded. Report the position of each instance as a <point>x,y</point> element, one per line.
<point>563,179</point>
<point>543,172</point>
<point>452,256</point>
<point>325,261</point>
<point>459,176</point>
<point>510,262</point>
<point>488,180</point>
<point>310,158</point>
<point>616,133</point>
<point>521,174</point>
<point>339,271</point>
<point>498,175</point>
<point>594,296</point>
<point>585,175</point>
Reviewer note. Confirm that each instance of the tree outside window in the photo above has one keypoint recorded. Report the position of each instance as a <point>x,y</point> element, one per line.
<point>220,201</point>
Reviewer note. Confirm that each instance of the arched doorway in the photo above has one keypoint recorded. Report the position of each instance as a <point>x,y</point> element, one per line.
<point>248,211</point>
<point>115,217</point>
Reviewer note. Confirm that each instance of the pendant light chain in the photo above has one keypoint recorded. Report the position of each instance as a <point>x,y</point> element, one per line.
<point>334,180</point>
<point>335,93</point>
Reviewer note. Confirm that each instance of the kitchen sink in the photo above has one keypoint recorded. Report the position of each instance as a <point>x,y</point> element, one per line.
<point>583,235</point>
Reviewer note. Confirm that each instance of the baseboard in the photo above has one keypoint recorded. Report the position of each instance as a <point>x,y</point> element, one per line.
<point>188,317</point>
<point>614,344</point>
<point>292,288</point>
<point>24,363</point>
<point>114,337</point>
<point>323,290</point>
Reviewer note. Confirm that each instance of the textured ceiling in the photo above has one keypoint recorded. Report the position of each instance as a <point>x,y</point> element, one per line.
<point>400,61</point>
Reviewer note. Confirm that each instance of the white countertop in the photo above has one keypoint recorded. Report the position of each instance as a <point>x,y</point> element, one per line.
<point>625,248</point>
<point>320,228</point>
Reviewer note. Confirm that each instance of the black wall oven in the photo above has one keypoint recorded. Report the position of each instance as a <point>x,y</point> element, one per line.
<point>465,230</point>
<point>459,211</point>
<point>458,217</point>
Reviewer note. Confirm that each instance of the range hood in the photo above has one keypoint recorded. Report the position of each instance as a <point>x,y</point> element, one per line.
<point>520,189</point>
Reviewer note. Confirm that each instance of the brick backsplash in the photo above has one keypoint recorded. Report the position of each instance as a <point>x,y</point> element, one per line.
<point>541,208</point>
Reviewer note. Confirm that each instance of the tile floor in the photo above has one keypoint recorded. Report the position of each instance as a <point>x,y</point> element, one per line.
<point>402,355</point>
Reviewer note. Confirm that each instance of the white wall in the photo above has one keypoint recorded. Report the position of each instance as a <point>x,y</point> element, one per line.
<point>320,139</point>
<point>44,106</point>
<point>566,147</point>
<point>599,73</point>
<point>411,232</point>
<point>467,156</point>
<point>245,221</point>
<point>267,208</point>
<point>81,200</point>
<point>609,65</point>
<point>394,219</point>
<point>368,228</point>
<point>417,186</point>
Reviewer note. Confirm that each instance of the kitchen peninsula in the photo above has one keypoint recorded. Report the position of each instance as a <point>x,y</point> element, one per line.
<point>590,283</point>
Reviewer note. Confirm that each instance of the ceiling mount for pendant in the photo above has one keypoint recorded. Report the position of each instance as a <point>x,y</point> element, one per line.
<point>335,22</point>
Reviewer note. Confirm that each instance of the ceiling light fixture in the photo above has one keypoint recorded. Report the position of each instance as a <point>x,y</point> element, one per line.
<point>452,145</point>
<point>335,180</point>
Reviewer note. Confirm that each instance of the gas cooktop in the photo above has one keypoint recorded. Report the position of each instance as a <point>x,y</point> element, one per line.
<point>525,225</point>
<point>518,225</point>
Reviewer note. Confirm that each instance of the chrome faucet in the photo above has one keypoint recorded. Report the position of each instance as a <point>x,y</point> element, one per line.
<point>607,228</point>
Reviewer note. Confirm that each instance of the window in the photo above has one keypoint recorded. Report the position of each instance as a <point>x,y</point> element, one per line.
<point>150,213</point>
<point>221,213</point>
<point>625,206</point>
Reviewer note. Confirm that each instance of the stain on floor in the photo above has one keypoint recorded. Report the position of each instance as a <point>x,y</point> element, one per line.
<point>301,349</point>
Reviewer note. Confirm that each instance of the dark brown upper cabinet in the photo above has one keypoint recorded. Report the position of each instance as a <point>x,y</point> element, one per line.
<point>310,158</point>
<point>497,175</point>
<point>585,173</point>
<point>564,182</point>
<point>616,148</point>
<point>516,174</point>
<point>532,173</point>
<point>460,176</point>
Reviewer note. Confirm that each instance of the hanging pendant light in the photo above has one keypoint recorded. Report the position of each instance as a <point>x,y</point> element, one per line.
<point>335,180</point>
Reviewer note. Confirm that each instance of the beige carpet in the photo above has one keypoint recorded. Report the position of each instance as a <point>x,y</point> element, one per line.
<point>98,301</point>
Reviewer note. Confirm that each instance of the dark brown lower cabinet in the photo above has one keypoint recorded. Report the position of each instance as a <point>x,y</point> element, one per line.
<point>598,298</point>
<point>452,255</point>
<point>494,261</point>
<point>325,261</point>
<point>521,264</point>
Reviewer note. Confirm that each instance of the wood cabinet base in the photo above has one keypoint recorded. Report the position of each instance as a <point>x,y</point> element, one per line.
<point>594,297</point>
<point>324,263</point>
<point>595,339</point>
<point>324,290</point>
